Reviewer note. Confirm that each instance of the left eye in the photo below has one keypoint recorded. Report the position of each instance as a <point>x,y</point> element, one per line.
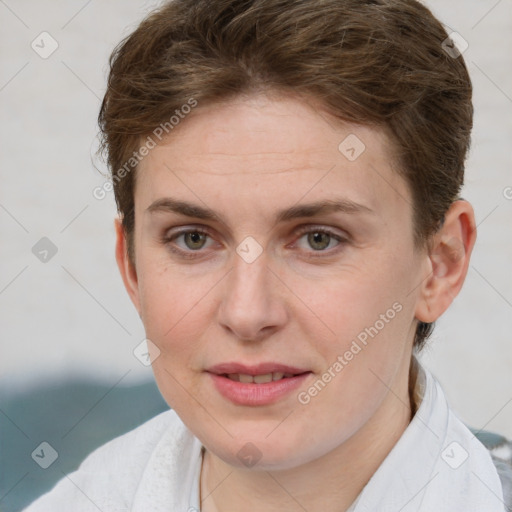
<point>320,239</point>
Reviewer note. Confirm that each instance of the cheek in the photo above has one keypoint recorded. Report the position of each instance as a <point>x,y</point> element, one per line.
<point>369,318</point>
<point>372,302</point>
<point>173,317</point>
<point>178,312</point>
<point>174,320</point>
<point>170,299</point>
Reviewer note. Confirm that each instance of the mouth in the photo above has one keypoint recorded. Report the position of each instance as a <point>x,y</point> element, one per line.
<point>259,373</point>
<point>262,384</point>
<point>259,379</point>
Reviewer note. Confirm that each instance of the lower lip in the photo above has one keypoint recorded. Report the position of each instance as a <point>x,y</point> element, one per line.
<point>242,393</point>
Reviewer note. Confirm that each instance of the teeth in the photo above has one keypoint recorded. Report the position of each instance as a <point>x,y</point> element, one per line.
<point>258,379</point>
<point>261,379</point>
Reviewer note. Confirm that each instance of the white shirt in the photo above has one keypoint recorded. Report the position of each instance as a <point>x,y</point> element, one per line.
<point>437,465</point>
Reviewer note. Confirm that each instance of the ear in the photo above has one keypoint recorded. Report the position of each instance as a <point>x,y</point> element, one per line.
<point>447,262</point>
<point>128,271</point>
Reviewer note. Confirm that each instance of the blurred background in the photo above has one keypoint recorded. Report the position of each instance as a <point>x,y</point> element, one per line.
<point>69,371</point>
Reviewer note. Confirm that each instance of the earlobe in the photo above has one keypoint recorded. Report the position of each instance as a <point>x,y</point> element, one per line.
<point>126,268</point>
<point>447,262</point>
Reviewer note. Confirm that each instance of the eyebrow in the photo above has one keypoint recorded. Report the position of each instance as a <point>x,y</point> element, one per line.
<point>171,205</point>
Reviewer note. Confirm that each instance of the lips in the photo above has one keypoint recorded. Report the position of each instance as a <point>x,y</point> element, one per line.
<point>260,369</point>
<point>255,388</point>
<point>257,385</point>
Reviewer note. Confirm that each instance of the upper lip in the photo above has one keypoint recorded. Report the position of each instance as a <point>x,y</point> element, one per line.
<point>258,369</point>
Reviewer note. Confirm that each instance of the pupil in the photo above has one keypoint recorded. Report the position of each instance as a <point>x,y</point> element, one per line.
<point>195,237</point>
<point>316,238</point>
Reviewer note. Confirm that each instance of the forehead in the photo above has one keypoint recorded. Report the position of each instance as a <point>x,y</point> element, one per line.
<point>266,151</point>
<point>262,126</point>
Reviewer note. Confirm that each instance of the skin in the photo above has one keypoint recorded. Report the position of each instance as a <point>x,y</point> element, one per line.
<point>247,159</point>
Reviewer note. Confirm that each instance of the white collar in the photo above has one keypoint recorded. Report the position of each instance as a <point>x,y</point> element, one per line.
<point>436,465</point>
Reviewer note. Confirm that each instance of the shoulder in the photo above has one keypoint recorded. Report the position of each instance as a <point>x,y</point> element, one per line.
<point>108,478</point>
<point>500,449</point>
<point>134,446</point>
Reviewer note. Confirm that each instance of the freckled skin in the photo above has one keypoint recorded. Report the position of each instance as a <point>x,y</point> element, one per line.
<point>246,160</point>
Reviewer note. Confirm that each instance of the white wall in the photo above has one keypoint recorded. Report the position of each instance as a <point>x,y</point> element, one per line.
<point>72,316</point>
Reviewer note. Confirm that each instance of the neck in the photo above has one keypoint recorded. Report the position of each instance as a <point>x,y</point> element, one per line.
<point>331,482</point>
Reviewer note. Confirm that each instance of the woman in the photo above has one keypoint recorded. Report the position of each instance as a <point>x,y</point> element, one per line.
<point>287,176</point>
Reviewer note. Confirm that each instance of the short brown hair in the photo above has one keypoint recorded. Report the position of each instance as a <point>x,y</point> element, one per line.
<point>374,62</point>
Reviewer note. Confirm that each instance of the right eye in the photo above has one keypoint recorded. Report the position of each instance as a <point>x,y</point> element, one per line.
<point>193,239</point>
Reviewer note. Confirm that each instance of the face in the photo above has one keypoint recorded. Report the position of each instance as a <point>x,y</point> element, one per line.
<point>274,282</point>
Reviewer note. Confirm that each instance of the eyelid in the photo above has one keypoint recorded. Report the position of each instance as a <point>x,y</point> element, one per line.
<point>312,228</point>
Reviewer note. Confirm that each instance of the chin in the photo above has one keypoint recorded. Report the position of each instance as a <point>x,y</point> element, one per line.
<point>264,452</point>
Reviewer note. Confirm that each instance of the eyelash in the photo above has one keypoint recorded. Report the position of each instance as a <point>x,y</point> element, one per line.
<point>169,239</point>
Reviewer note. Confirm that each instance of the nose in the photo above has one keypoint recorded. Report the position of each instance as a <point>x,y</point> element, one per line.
<point>253,303</point>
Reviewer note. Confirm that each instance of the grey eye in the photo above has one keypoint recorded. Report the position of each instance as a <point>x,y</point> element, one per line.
<point>319,240</point>
<point>196,239</point>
